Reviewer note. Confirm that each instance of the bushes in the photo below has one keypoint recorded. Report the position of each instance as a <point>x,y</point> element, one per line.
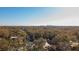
<point>4,33</point>
<point>4,45</point>
<point>34,38</point>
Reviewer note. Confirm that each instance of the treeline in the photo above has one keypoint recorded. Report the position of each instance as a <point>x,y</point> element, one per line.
<point>39,38</point>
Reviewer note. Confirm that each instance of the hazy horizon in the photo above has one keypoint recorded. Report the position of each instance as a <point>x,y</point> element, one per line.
<point>39,16</point>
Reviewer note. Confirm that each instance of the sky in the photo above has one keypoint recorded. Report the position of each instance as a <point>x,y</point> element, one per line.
<point>36,16</point>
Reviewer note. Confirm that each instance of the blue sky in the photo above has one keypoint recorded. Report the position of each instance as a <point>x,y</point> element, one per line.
<point>25,16</point>
<point>21,16</point>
